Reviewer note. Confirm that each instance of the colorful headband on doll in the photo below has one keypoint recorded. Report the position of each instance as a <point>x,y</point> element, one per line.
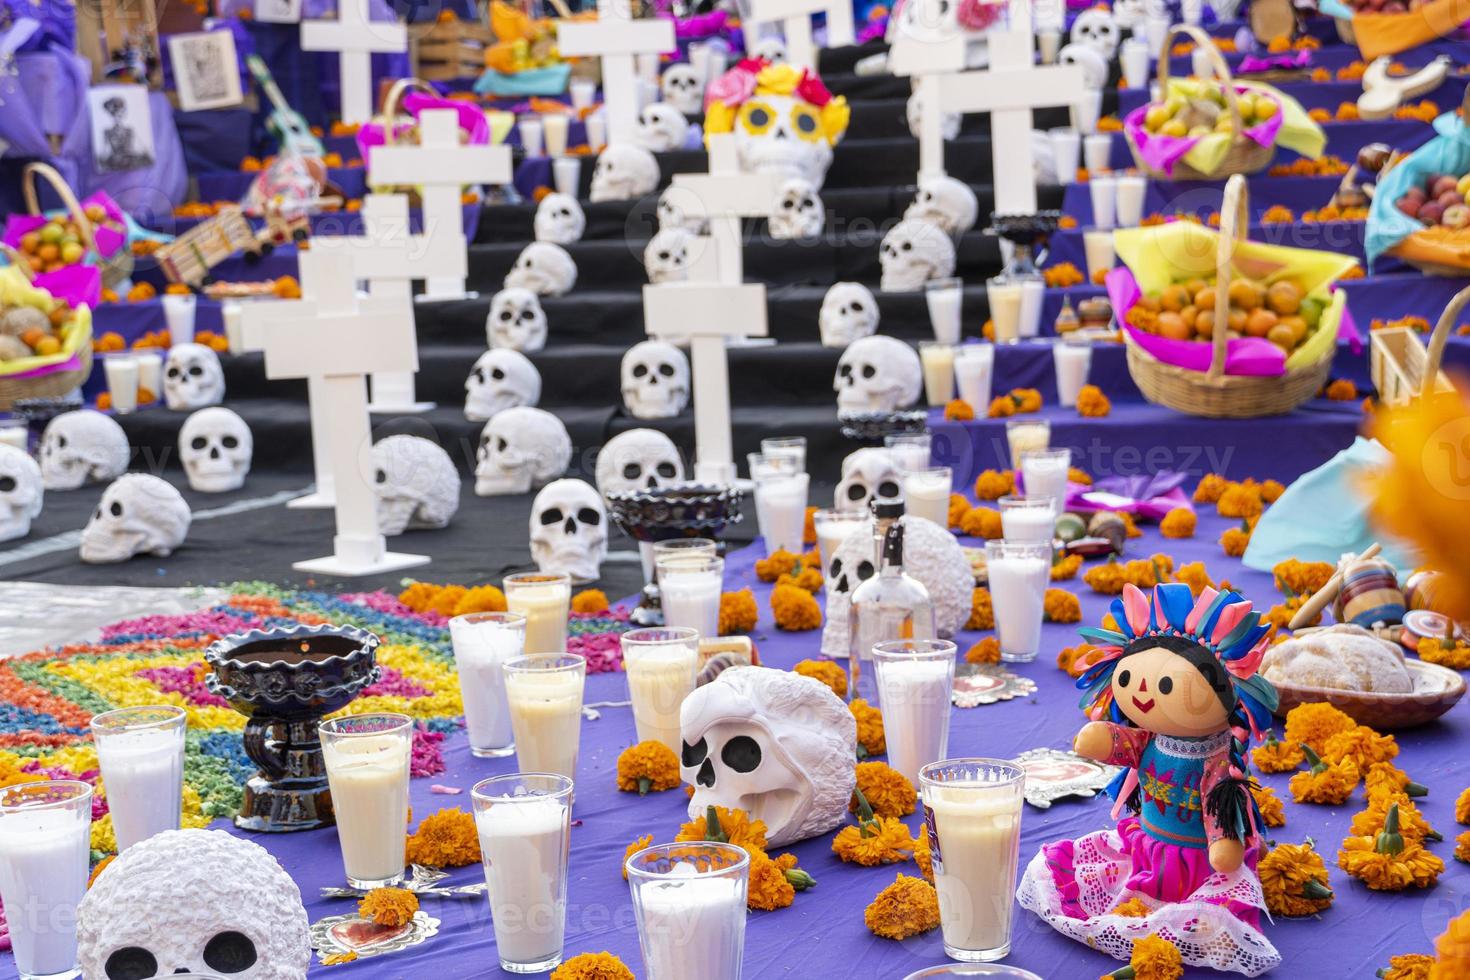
<point>1220,622</point>
<point>752,78</point>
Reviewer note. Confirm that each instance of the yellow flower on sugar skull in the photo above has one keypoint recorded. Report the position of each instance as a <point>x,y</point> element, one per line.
<point>777,80</point>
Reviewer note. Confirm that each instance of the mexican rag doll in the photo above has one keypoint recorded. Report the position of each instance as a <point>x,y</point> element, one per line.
<point>1175,699</point>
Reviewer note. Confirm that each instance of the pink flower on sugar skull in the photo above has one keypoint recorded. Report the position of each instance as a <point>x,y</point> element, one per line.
<point>977,15</point>
<point>812,90</point>
<point>733,87</point>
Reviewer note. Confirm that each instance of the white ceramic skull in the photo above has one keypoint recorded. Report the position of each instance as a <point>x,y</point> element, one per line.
<point>683,88</point>
<point>192,378</point>
<point>798,212</point>
<point>624,172</point>
<point>544,268</point>
<point>669,255</point>
<point>1094,63</point>
<point>559,220</point>
<point>193,901</point>
<point>679,207</point>
<point>415,482</point>
<point>1097,29</point>
<point>639,459</point>
<point>655,380</point>
<point>521,448</point>
<point>138,514</point>
<point>21,492</point>
<point>912,253</point>
<point>866,473</point>
<point>930,553</point>
<point>661,128</point>
<point>516,320</point>
<point>772,743</point>
<point>215,446</point>
<point>501,379</point>
<point>772,49</point>
<point>849,312</point>
<point>914,113</point>
<point>781,136</point>
<point>877,374</point>
<point>82,447</point>
<point>569,530</point>
<point>941,200</point>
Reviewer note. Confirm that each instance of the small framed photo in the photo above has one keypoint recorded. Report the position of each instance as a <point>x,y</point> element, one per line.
<point>122,128</point>
<point>206,69</point>
<point>278,11</point>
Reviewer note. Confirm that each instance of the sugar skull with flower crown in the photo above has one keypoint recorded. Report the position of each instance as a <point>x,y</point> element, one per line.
<point>784,120</point>
<point>1175,699</point>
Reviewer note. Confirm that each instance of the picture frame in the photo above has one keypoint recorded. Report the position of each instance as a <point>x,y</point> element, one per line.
<point>122,128</point>
<point>206,69</point>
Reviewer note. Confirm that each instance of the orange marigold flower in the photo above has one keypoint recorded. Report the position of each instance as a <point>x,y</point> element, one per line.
<point>1294,880</point>
<point>418,596</point>
<point>959,506</point>
<point>487,598</point>
<point>888,791</point>
<point>447,839</point>
<point>958,410</point>
<point>1240,500</point>
<point>794,609</point>
<point>1107,579</point>
<point>768,888</point>
<point>1061,606</point>
<point>1452,950</point>
<point>1274,756</point>
<point>907,907</point>
<point>735,826</point>
<point>1076,474</point>
<point>645,841</point>
<point>1314,723</point>
<point>982,613</point>
<point>1134,908</point>
<point>1296,578</point>
<point>1325,783</point>
<point>1178,523</point>
<point>1234,541</point>
<point>1278,215</point>
<point>1195,576</point>
<point>807,577</point>
<point>881,840</point>
<point>982,522</point>
<point>448,599</point>
<point>1272,812</point>
<point>1271,491</point>
<point>1027,399</point>
<point>1408,966</point>
<point>994,484</point>
<point>1074,661</point>
<point>649,765</point>
<point>781,562</point>
<point>1155,958</point>
<point>738,612</point>
<point>1385,779</point>
<point>1062,275</point>
<point>870,737</point>
<point>826,672</point>
<point>987,651</point>
<point>1455,655</point>
<point>809,526</point>
<point>1373,819</point>
<point>1462,807</point>
<point>1065,568</point>
<point>1362,745</point>
<point>1092,403</point>
<point>590,601</point>
<point>389,906</point>
<point>1389,862</point>
<point>1462,847</point>
<point>1210,488</point>
<point>1001,406</point>
<point>588,966</point>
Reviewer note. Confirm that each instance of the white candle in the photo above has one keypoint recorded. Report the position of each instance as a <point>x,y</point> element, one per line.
<point>596,124</point>
<point>980,843</point>
<point>122,382</point>
<point>690,592</point>
<point>780,503</point>
<point>938,363</point>
<point>546,716</point>
<point>178,313</point>
<point>945,300</point>
<point>926,493</point>
<point>1017,590</point>
<point>43,875</point>
<point>1073,360</point>
<point>1027,519</point>
<point>1086,112</point>
<point>660,677</point>
<point>1134,56</point>
<point>1130,196</point>
<point>916,697</point>
<point>1104,191</point>
<point>1045,474</point>
<point>974,367</point>
<point>545,601</point>
<point>1098,246</point>
<point>1066,148</point>
<point>523,844</point>
<point>1097,152</point>
<point>1005,310</point>
<point>482,644</point>
<point>368,776</point>
<point>691,926</point>
<point>234,316</point>
<point>556,126</point>
<point>583,92</point>
<point>531,135</point>
<point>143,772</point>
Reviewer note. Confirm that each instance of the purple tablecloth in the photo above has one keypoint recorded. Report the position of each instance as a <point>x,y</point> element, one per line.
<point>1357,935</point>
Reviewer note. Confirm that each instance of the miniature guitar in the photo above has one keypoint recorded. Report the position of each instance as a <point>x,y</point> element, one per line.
<point>287,125</point>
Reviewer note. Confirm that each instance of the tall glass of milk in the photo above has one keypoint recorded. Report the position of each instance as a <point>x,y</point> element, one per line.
<point>524,823</point>
<point>1019,573</point>
<point>689,900</point>
<point>938,362</point>
<point>1004,296</point>
<point>545,695</point>
<point>689,588</point>
<point>141,752</point>
<point>916,678</point>
<point>1026,435</point>
<point>483,642</point>
<point>972,812</point>
<point>910,450</point>
<point>780,501</point>
<point>945,299</point>
<point>660,662</point>
<point>1030,520</point>
<point>122,371</point>
<point>545,599</point>
<point>14,432</point>
<point>367,760</point>
<point>974,366</point>
<point>792,447</point>
<point>1044,473</point>
<point>45,835</point>
<point>1073,359</point>
<point>836,526</point>
<point>927,492</point>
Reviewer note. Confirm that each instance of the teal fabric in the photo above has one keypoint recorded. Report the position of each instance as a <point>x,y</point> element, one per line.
<point>1447,153</point>
<point>535,81</point>
<point>1323,515</point>
<point>1335,8</point>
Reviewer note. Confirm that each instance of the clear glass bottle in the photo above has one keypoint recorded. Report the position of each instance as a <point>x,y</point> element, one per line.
<point>889,605</point>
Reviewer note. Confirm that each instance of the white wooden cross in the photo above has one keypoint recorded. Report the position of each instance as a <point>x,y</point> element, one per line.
<point>714,306</point>
<point>796,24</point>
<point>1009,90</point>
<point>617,38</point>
<point>389,258</point>
<point>355,38</point>
<point>441,168</point>
<point>341,339</point>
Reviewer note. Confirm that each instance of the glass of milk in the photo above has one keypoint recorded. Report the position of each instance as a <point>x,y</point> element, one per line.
<point>596,123</point>
<point>780,502</point>
<point>122,371</point>
<point>583,91</point>
<point>660,662</point>
<point>972,809</point>
<point>1104,193</point>
<point>483,642</point>
<point>793,447</point>
<point>926,492</point>
<point>1044,473</point>
<point>1026,435</point>
<point>689,900</point>
<point>1097,151</point>
<point>15,432</point>
<point>1129,197</point>
<point>45,839</point>
<point>1004,297</point>
<point>1019,572</point>
<point>1028,519</point>
<point>995,971</point>
<point>556,126</point>
<point>232,311</point>
<point>938,362</point>
<point>945,299</point>
<point>1073,358</point>
<point>1098,245</point>
<point>150,374</point>
<point>910,450</point>
<point>141,752</point>
<point>916,683</point>
<point>689,587</point>
<point>974,367</point>
<point>1066,148</point>
<point>531,135</point>
<point>545,696</point>
<point>566,173</point>
<point>545,599</point>
<point>836,526</point>
<point>524,823</point>
<point>179,310</point>
<point>367,760</point>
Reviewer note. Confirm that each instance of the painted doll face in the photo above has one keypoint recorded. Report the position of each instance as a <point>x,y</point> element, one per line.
<point>1164,693</point>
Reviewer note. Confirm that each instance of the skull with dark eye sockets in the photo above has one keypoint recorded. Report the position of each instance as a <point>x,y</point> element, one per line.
<point>569,530</point>
<point>639,459</point>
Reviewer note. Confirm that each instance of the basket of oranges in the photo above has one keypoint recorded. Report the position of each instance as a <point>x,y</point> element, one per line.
<point>90,233</point>
<point>1222,327</point>
<point>45,341</point>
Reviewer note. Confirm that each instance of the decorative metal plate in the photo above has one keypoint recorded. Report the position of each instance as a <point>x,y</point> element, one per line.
<point>873,426</point>
<point>1052,774</point>
<point>976,684</point>
<point>354,934</point>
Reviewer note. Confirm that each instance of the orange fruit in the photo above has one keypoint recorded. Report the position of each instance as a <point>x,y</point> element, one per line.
<point>1171,325</point>
<point>1189,314</point>
<point>1245,294</point>
<point>33,337</point>
<point>1258,322</point>
<point>1151,303</point>
<point>1174,298</point>
<point>1281,336</point>
<point>1284,297</point>
<point>1205,298</point>
<point>1298,328</point>
<point>1204,324</point>
<point>1193,286</point>
<point>48,345</point>
<point>48,253</point>
<point>1236,321</point>
<point>29,242</point>
<point>59,315</point>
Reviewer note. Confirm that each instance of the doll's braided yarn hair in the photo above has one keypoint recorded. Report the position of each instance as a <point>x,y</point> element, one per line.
<point>1225,640</point>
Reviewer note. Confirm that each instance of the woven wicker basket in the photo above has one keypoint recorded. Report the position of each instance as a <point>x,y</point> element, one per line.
<point>390,120</point>
<point>1345,30</point>
<point>114,268</point>
<point>1213,393</point>
<point>1245,155</point>
<point>52,385</point>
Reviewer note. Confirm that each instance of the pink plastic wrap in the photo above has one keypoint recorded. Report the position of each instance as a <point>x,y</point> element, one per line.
<point>1162,152</point>
<point>109,240</point>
